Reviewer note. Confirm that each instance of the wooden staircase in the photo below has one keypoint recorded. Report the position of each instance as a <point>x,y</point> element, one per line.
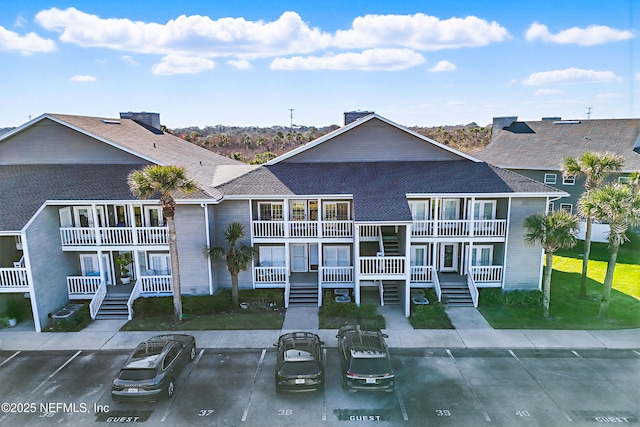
<point>390,293</point>
<point>455,292</point>
<point>390,244</point>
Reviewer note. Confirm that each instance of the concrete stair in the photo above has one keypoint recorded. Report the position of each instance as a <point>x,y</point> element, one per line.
<point>390,294</point>
<point>456,294</point>
<point>114,306</point>
<point>305,295</point>
<point>390,243</point>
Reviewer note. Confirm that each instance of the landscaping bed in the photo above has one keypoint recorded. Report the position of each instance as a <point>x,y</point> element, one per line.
<point>333,315</point>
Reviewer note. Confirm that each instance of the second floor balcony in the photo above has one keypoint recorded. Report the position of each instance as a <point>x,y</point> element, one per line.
<point>303,229</point>
<point>459,228</point>
<point>113,236</point>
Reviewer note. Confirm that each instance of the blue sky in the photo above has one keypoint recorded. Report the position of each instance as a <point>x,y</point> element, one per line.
<point>246,63</point>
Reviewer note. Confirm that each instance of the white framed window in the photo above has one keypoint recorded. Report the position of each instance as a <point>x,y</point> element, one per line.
<point>153,216</point>
<point>419,210</point>
<point>551,207</point>
<point>567,207</point>
<point>336,211</point>
<point>337,256</point>
<point>270,211</point>
<point>484,209</point>
<point>420,255</point>
<point>450,209</point>
<point>482,255</point>
<point>160,264</point>
<point>550,178</point>
<point>272,256</point>
<point>624,180</point>
<point>569,180</point>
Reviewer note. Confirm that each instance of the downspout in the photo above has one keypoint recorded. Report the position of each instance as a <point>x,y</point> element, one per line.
<point>506,244</point>
<point>32,292</point>
<point>206,228</point>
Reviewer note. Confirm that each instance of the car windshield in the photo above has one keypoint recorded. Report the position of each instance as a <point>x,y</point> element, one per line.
<point>303,367</point>
<point>137,374</point>
<point>370,366</point>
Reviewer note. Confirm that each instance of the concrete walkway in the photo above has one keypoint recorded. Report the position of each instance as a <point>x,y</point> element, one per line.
<point>470,333</point>
<point>467,318</point>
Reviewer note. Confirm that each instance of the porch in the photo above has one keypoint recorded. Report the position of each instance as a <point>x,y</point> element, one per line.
<point>14,279</point>
<point>302,229</point>
<point>113,236</point>
<point>459,228</point>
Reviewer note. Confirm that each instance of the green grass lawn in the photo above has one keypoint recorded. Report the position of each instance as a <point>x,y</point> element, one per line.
<point>202,323</point>
<point>566,310</point>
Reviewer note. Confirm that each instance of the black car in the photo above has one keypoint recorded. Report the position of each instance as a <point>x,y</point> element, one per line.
<point>364,359</point>
<point>149,374</point>
<point>300,362</point>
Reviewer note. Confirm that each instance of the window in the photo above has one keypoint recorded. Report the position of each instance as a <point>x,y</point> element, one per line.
<point>482,255</point>
<point>270,212</point>
<point>569,180</point>
<point>419,210</point>
<point>337,256</point>
<point>551,207</point>
<point>450,209</point>
<point>550,178</point>
<point>624,180</point>
<point>420,256</point>
<point>336,211</point>
<point>298,211</point>
<point>272,256</point>
<point>484,209</point>
<point>567,207</point>
<point>160,264</point>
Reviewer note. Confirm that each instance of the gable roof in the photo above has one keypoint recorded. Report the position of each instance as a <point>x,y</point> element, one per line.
<point>380,189</point>
<point>149,144</point>
<point>360,122</point>
<point>543,144</point>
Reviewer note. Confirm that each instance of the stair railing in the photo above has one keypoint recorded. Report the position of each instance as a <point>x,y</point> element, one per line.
<point>135,293</point>
<point>97,299</point>
<point>436,283</point>
<point>473,290</point>
<point>381,291</point>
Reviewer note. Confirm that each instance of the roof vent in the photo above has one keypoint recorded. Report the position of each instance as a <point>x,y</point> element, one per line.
<point>567,122</point>
<point>554,119</point>
<point>110,122</point>
<point>352,116</point>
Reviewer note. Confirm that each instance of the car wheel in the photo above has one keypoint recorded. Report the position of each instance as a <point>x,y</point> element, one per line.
<point>192,353</point>
<point>170,389</point>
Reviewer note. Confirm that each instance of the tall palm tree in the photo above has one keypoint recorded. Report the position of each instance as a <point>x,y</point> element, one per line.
<point>619,205</point>
<point>553,231</point>
<point>238,255</point>
<point>594,167</point>
<point>165,181</point>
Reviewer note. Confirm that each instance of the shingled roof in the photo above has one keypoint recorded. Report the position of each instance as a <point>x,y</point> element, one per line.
<point>380,189</point>
<point>543,144</point>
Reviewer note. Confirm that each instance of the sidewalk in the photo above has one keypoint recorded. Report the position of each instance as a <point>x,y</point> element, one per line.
<point>470,333</point>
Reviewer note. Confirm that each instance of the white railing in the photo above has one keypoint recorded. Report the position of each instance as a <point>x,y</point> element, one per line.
<point>473,290</point>
<point>337,228</point>
<point>436,284</point>
<point>97,299</point>
<point>382,265</point>
<point>370,232</point>
<point>287,292</point>
<point>156,284</point>
<point>82,285</point>
<point>13,278</point>
<point>270,274</point>
<point>268,228</point>
<point>19,242</point>
<point>303,229</point>
<point>135,293</point>
<point>337,274</point>
<point>110,236</point>
<point>459,228</point>
<point>486,273</point>
<point>381,293</point>
<point>421,273</point>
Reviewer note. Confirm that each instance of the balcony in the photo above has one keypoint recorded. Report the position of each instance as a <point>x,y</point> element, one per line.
<point>487,273</point>
<point>459,228</point>
<point>382,267</point>
<point>113,236</point>
<point>13,280</point>
<point>302,229</point>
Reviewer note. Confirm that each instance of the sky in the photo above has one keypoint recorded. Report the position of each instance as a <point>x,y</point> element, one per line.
<point>266,63</point>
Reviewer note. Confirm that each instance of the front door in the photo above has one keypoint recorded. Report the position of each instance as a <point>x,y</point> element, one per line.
<point>449,257</point>
<point>299,261</point>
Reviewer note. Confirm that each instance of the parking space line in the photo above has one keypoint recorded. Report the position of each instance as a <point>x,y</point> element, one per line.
<point>577,355</point>
<point>636,352</point>
<point>253,386</point>
<point>540,385</point>
<point>324,388</point>
<point>484,412</point>
<point>403,408</point>
<point>10,357</point>
<point>184,381</point>
<point>56,371</point>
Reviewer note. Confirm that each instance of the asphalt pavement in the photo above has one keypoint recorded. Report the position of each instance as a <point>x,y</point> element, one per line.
<point>472,332</point>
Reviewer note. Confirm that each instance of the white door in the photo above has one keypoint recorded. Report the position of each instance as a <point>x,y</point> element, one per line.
<point>299,261</point>
<point>450,209</point>
<point>448,257</point>
<point>153,216</point>
<point>482,255</point>
<point>83,216</point>
<point>89,266</point>
<point>65,217</point>
<point>160,264</point>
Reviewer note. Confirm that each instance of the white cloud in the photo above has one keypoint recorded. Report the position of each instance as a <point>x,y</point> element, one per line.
<point>187,35</point>
<point>20,21</point>
<point>610,95</point>
<point>419,32</point>
<point>82,78</point>
<point>592,35</point>
<point>173,64</point>
<point>368,60</point>
<point>443,66</point>
<point>637,76</point>
<point>239,64</point>
<point>549,91</point>
<point>456,103</point>
<point>129,59</point>
<point>569,75</point>
<point>26,45</point>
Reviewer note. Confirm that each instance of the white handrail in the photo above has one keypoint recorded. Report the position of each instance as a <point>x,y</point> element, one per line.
<point>97,299</point>
<point>135,293</point>
<point>436,283</point>
<point>381,292</point>
<point>473,290</point>
<point>287,291</point>
<point>13,278</point>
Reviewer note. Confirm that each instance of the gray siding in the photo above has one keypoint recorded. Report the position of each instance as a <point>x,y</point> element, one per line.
<point>522,269</point>
<point>225,213</point>
<point>191,237</point>
<point>373,141</point>
<point>47,142</point>
<point>50,266</point>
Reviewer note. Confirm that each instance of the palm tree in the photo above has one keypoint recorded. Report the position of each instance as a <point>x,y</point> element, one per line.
<point>594,167</point>
<point>165,181</point>
<point>553,231</point>
<point>238,256</point>
<point>619,205</point>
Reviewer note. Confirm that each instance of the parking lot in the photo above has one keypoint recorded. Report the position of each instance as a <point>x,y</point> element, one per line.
<point>457,387</point>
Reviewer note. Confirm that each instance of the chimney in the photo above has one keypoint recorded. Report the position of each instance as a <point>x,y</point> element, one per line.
<point>500,123</point>
<point>352,116</point>
<point>148,119</point>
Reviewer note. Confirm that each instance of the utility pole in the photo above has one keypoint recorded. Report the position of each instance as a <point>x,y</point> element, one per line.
<point>588,113</point>
<point>291,117</point>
